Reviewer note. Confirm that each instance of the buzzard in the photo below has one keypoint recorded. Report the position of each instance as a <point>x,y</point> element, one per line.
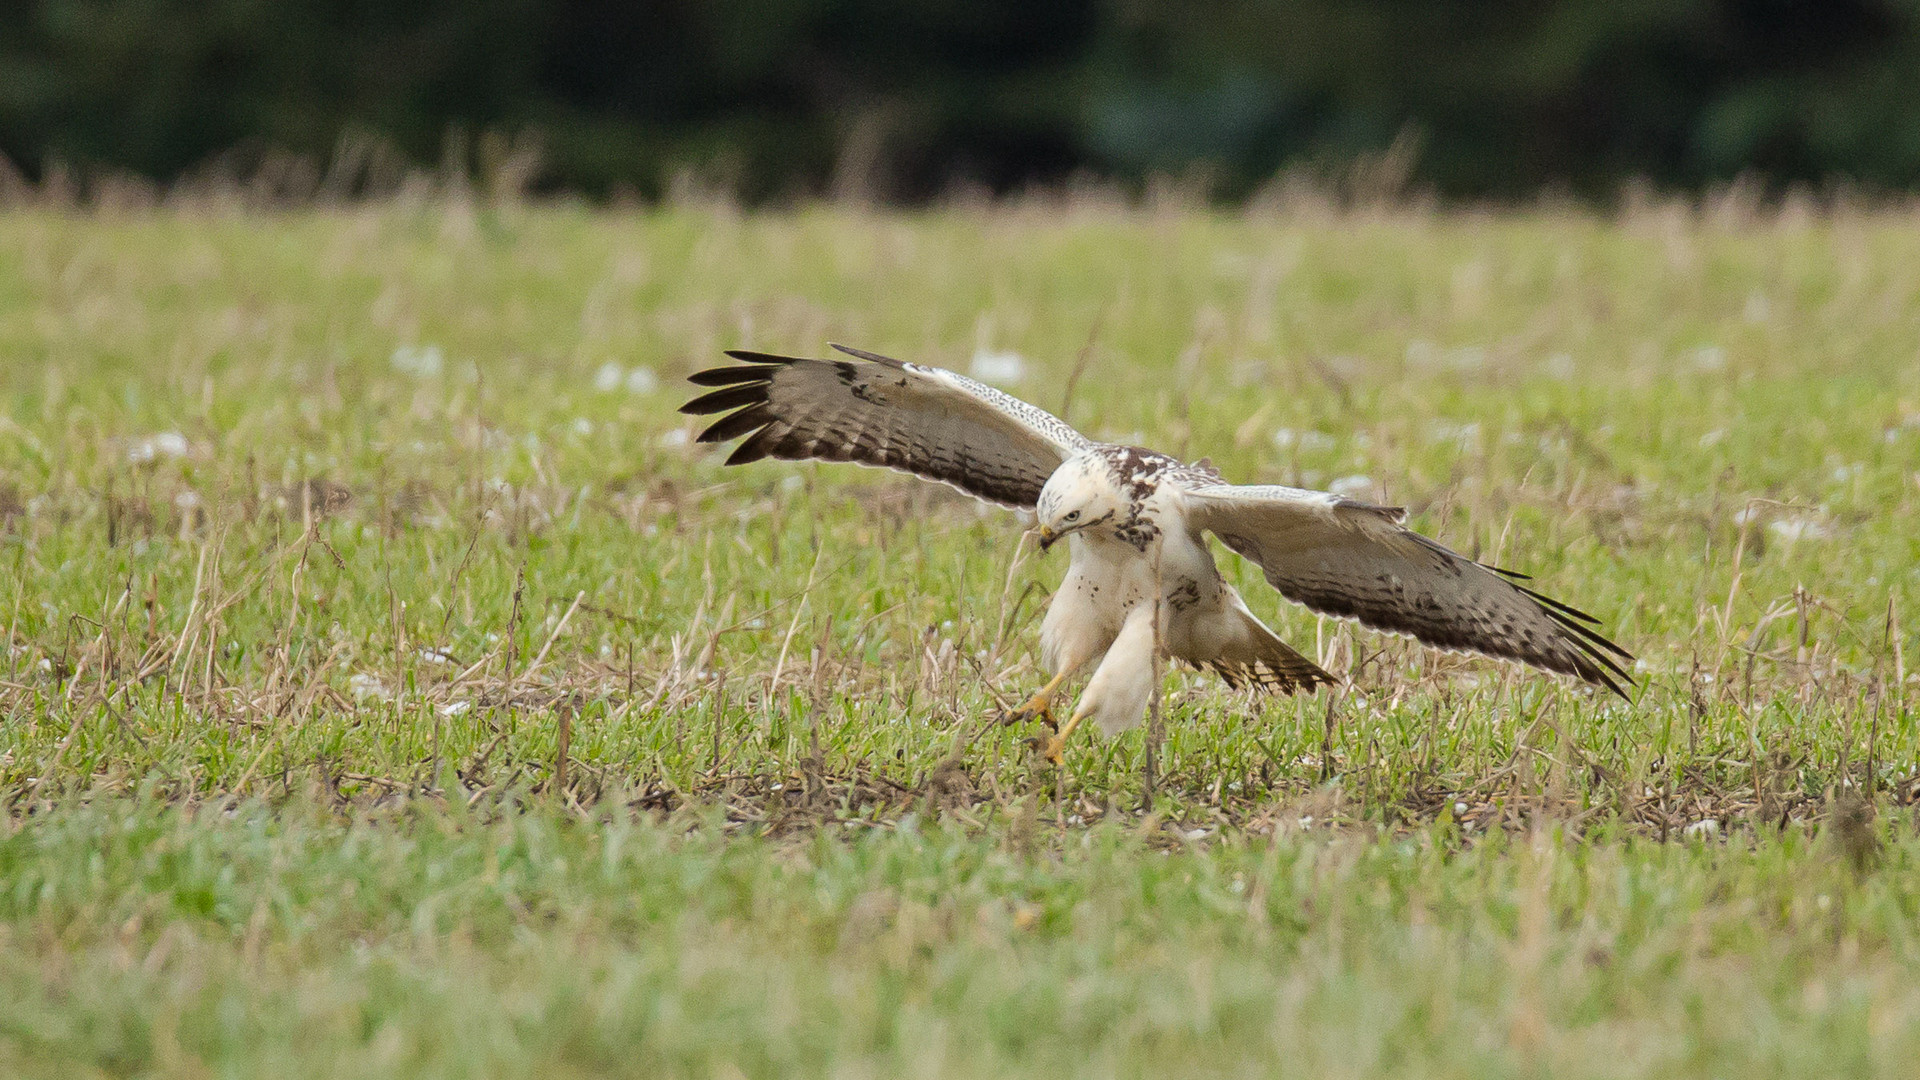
<point>1141,578</point>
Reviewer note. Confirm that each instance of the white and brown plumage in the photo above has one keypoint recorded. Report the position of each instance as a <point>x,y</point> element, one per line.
<point>1141,576</point>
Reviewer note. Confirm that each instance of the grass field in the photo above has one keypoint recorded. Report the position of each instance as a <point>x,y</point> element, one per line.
<point>392,688</point>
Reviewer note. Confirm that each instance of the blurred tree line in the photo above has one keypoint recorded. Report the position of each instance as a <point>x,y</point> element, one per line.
<point>907,99</point>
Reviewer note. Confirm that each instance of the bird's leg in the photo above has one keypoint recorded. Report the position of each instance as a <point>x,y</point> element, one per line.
<point>1037,707</point>
<point>1055,749</point>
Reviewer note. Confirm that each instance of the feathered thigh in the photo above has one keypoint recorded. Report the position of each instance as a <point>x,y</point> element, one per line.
<point>1104,581</point>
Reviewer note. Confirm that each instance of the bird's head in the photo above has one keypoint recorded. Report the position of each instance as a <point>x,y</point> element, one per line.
<point>1080,494</point>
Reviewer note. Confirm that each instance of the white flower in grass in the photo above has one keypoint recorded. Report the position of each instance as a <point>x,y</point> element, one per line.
<point>642,380</point>
<point>637,380</point>
<point>998,367</point>
<point>1792,530</point>
<point>419,361</point>
<point>365,687</point>
<point>166,444</point>
<point>1305,441</point>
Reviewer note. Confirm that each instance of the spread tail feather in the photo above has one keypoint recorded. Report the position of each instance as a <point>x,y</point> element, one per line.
<point>1259,658</point>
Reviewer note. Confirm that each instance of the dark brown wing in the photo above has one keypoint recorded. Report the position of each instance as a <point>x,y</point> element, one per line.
<point>1356,561</point>
<point>878,411</point>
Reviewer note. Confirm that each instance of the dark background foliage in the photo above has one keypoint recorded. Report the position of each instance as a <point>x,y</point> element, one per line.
<point>906,99</point>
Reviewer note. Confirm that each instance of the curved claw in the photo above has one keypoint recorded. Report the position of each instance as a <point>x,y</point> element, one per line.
<point>1048,748</point>
<point>1055,750</point>
<point>1038,707</point>
<point>1021,714</point>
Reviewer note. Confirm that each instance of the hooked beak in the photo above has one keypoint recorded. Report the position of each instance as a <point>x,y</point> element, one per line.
<point>1047,537</point>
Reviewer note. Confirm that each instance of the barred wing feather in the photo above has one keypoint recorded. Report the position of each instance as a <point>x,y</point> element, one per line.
<point>1357,561</point>
<point>878,411</point>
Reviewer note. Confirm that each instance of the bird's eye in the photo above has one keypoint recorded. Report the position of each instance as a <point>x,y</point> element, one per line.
<point>1075,516</point>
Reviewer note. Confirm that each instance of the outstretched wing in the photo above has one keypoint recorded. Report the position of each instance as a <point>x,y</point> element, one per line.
<point>1358,561</point>
<point>878,411</point>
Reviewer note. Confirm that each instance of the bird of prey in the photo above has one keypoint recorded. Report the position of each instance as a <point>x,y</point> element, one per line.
<point>1141,579</point>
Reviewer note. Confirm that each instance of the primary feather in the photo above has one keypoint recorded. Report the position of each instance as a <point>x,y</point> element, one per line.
<point>875,410</point>
<point>1357,561</point>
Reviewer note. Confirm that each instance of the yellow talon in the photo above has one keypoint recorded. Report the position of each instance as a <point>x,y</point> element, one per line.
<point>1055,749</point>
<point>1038,707</point>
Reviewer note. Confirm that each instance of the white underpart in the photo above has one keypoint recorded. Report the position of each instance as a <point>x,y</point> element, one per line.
<point>1116,697</point>
<point>1105,580</point>
<point>1110,583</point>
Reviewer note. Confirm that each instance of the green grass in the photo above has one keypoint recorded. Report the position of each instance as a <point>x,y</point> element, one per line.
<point>144,941</point>
<point>324,531</point>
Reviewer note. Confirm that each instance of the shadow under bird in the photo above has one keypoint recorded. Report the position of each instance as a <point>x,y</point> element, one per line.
<point>1141,577</point>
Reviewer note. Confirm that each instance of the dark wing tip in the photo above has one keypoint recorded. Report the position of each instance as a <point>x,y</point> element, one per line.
<point>734,425</point>
<point>738,387</point>
<point>1590,660</point>
<point>1555,605</point>
<point>758,446</point>
<point>725,398</point>
<point>1579,623</point>
<point>728,376</point>
<point>1599,677</point>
